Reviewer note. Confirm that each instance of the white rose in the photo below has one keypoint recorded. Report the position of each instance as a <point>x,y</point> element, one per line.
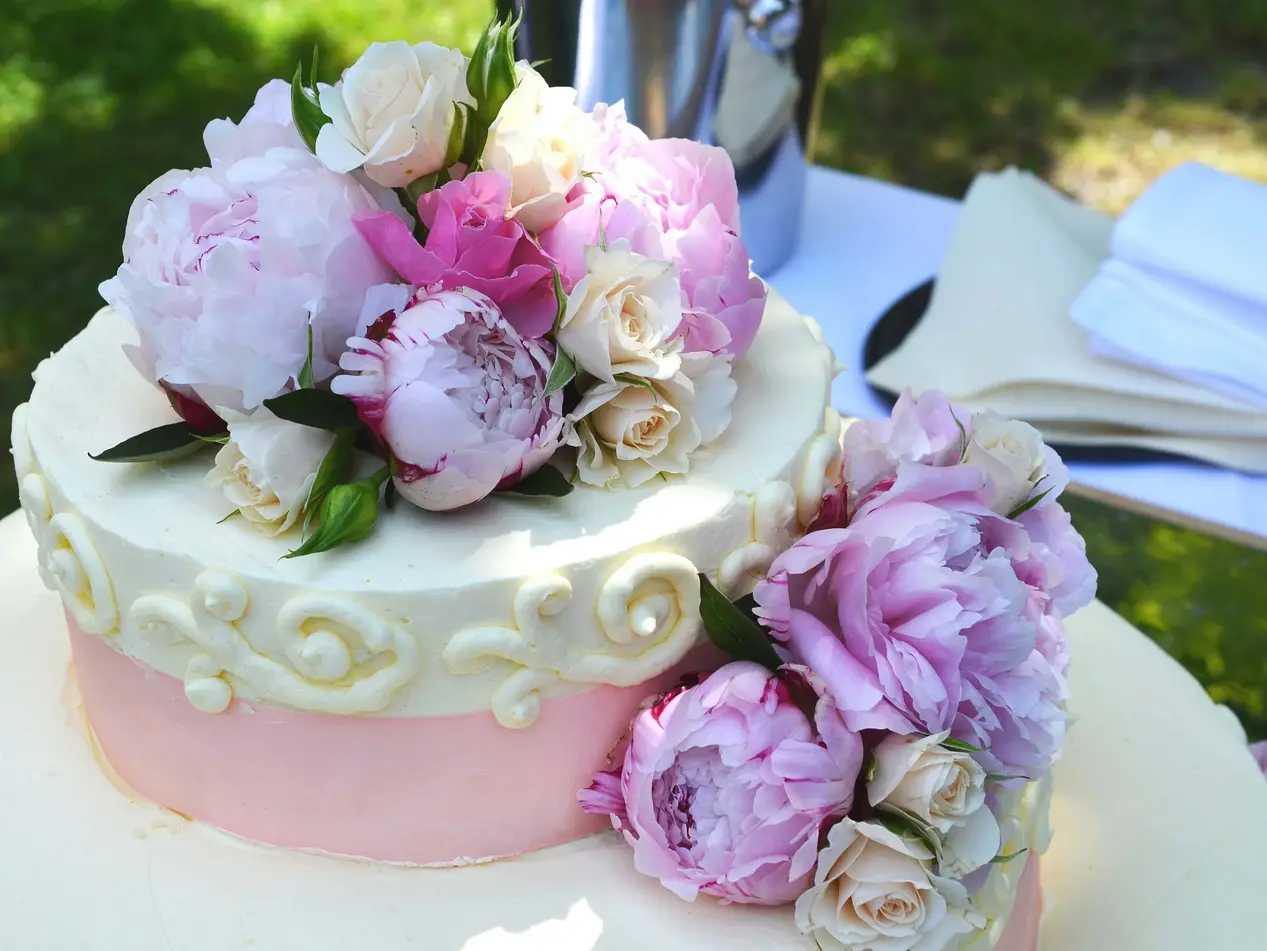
<point>268,467</point>
<point>622,314</point>
<point>1011,454</point>
<point>392,112</point>
<point>631,432</point>
<point>538,141</point>
<point>945,790</point>
<point>873,889</point>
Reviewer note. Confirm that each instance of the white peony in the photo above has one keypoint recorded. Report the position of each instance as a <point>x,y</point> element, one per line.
<point>632,432</point>
<point>1011,454</point>
<point>873,890</point>
<point>539,141</point>
<point>621,316</point>
<point>945,790</point>
<point>268,467</point>
<point>393,111</point>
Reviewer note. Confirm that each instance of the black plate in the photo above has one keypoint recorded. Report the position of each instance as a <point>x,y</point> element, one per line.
<point>896,324</point>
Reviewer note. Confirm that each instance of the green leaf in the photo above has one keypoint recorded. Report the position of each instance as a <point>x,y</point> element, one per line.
<point>457,135</point>
<point>560,300</point>
<point>630,379</point>
<point>319,409</point>
<point>562,373</point>
<point>963,437</point>
<point>473,142</point>
<point>547,480</point>
<point>602,233</point>
<point>1004,859</point>
<point>959,746</point>
<point>732,630</point>
<point>902,823</point>
<point>347,514</point>
<point>161,444</point>
<point>996,778</point>
<point>500,78</point>
<point>335,468</point>
<point>869,764</point>
<point>232,515</point>
<point>306,111</point>
<point>1029,504</point>
<point>305,380</point>
<point>217,440</point>
<point>478,66</point>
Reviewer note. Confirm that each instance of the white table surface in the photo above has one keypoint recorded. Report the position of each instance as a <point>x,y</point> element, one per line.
<point>865,243</point>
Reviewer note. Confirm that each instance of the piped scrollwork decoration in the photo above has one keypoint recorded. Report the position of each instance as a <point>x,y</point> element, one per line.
<point>69,561</point>
<point>346,659</point>
<point>648,609</point>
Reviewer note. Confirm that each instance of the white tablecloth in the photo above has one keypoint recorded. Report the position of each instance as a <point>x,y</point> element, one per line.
<point>866,243</point>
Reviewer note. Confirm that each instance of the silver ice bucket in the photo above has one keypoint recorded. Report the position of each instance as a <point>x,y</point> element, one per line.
<point>742,74</point>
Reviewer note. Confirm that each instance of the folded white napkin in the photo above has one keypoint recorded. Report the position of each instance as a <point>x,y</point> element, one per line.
<point>997,334</point>
<point>1185,290</point>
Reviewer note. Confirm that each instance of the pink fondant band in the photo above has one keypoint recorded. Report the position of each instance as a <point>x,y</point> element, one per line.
<point>419,791</point>
<point>1021,933</point>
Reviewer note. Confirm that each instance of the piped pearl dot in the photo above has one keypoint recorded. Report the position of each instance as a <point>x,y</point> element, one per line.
<point>648,615</point>
<point>324,656</point>
<point>209,694</point>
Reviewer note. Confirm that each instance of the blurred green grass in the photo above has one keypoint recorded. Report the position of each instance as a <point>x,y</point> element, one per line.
<point>98,97</point>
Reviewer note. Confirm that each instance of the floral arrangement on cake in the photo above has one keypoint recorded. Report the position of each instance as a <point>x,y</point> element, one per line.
<point>898,681</point>
<point>445,263</point>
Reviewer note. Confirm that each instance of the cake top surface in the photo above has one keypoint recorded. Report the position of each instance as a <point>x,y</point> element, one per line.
<point>89,396</point>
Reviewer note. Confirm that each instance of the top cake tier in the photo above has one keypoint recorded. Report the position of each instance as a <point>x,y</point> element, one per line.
<point>493,608</point>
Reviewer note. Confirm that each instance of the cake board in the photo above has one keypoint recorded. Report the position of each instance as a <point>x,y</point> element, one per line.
<point>1158,818</point>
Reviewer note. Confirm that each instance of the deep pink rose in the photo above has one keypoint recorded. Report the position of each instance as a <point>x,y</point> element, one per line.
<point>471,244</point>
<point>726,787</point>
<point>677,200</point>
<point>457,395</point>
<point>915,617</point>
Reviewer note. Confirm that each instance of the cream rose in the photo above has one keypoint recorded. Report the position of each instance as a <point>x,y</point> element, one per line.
<point>621,316</point>
<point>1011,453</point>
<point>268,467</point>
<point>631,432</point>
<point>539,141</point>
<point>945,790</point>
<point>392,112</point>
<point>873,889</point>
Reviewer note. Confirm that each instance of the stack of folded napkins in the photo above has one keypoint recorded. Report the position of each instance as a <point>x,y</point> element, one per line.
<point>999,331</point>
<point>1185,291</point>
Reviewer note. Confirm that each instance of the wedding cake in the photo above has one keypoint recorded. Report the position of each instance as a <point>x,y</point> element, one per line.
<point>441,489</point>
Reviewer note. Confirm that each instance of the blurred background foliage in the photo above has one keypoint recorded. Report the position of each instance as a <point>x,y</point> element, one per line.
<point>98,97</point>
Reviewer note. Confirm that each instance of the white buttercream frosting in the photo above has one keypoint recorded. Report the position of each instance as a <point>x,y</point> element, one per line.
<point>427,617</point>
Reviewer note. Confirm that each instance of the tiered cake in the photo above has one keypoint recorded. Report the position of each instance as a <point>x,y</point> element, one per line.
<point>529,517</point>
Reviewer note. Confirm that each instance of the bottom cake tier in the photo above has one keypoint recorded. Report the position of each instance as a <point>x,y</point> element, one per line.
<point>1152,847</point>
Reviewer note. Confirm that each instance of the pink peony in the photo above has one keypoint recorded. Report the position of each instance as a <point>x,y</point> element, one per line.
<point>726,787</point>
<point>1259,752</point>
<point>934,452</point>
<point>472,244</point>
<point>915,617</point>
<point>456,395</point>
<point>677,200</point>
<point>225,267</point>
<point>929,432</point>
